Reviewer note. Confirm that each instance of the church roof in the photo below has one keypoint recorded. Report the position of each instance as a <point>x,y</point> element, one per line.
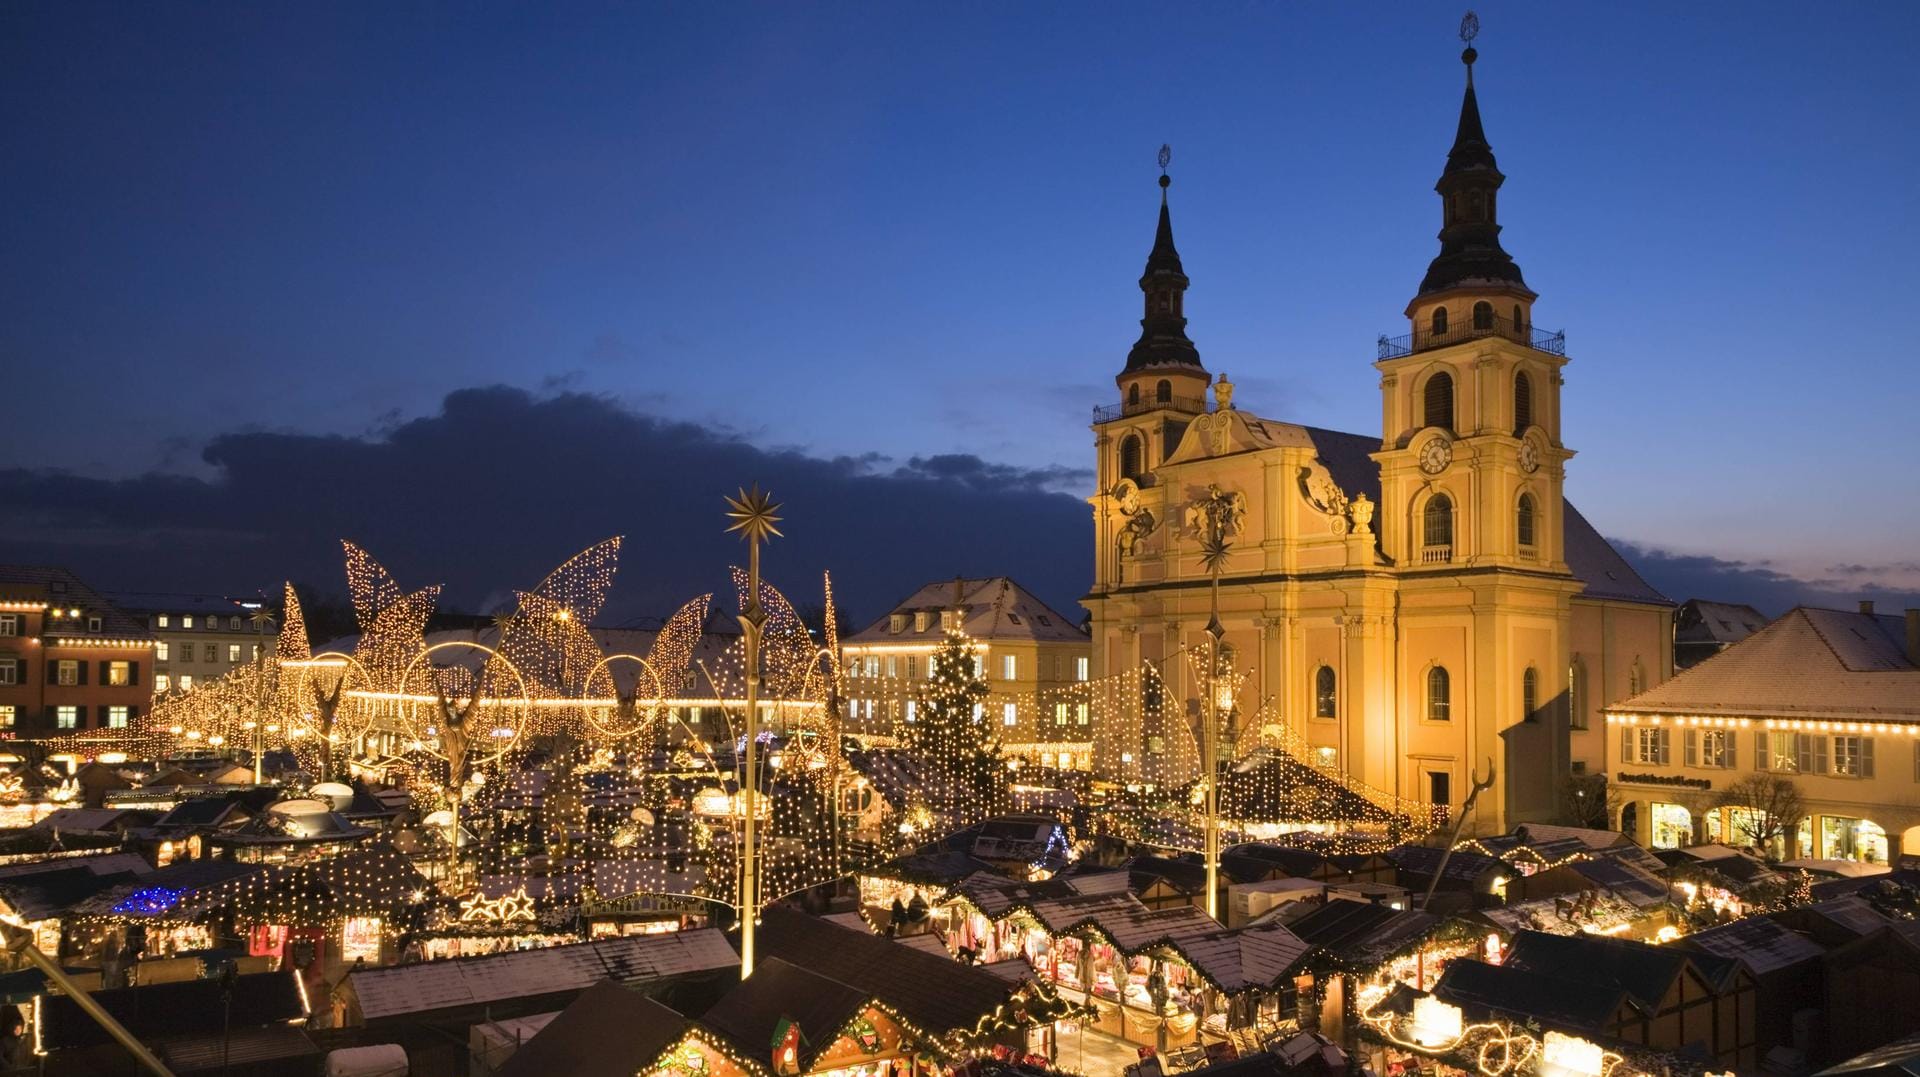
<point>1590,557</point>
<point>1811,663</point>
<point>997,608</point>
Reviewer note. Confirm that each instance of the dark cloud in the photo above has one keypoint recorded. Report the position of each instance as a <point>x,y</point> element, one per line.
<point>1764,586</point>
<point>503,484</point>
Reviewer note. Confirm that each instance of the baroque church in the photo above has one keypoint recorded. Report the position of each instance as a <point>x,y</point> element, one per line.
<point>1414,604</point>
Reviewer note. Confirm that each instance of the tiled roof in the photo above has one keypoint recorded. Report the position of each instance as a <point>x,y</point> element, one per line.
<point>997,608</point>
<point>59,586</point>
<point>168,602</point>
<point>1811,663</point>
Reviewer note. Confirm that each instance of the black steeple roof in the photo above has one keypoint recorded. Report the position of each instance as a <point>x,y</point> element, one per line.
<point>1470,252</point>
<point>1163,327</point>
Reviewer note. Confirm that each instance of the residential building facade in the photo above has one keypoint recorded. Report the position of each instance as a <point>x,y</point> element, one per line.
<point>1032,657</point>
<point>197,637</point>
<point>1411,605</point>
<point>69,658</point>
<point>1827,700</point>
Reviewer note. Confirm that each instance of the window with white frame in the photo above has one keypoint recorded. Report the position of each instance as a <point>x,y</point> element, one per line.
<point>979,712</point>
<point>1080,669</point>
<point>213,652</point>
<point>233,652</point>
<point>162,621</point>
<point>233,623</point>
<point>1711,748</point>
<point>1009,714</point>
<point>873,665</point>
<point>1645,744</point>
<point>910,710</point>
<point>9,671</point>
<point>119,673</point>
<point>186,620</point>
<point>66,671</point>
<point>9,624</point>
<point>913,666</point>
<point>7,715</point>
<point>94,624</point>
<point>161,651</point>
<point>1853,756</point>
<point>980,666</point>
<point>186,682</point>
<point>1080,714</point>
<point>1059,714</point>
<point>1009,667</point>
<point>162,684</point>
<point>117,717</point>
<point>66,717</point>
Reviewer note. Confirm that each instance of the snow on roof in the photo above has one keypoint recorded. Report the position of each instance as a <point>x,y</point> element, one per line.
<point>1811,663</point>
<point>474,981</point>
<point>997,608</point>
<point>1760,943</point>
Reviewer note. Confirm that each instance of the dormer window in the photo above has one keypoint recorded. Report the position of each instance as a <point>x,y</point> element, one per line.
<point>897,623</point>
<point>919,620</point>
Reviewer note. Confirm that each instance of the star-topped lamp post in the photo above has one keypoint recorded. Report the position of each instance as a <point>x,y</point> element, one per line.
<point>754,514</point>
<point>1215,519</point>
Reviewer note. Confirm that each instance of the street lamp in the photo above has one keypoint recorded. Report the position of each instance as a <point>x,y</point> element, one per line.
<point>754,514</point>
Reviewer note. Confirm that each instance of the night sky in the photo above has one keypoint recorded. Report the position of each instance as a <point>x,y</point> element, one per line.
<point>477,285</point>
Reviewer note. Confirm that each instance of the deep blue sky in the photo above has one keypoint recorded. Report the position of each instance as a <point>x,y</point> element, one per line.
<point>914,229</point>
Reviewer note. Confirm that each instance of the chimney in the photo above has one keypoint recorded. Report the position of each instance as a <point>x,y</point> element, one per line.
<point>1866,606</point>
<point>1913,636</point>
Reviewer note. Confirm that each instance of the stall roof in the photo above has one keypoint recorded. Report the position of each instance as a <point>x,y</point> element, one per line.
<point>50,893</point>
<point>1555,1001</point>
<point>1901,1058</point>
<point>750,1014</point>
<point>608,1031</point>
<point>174,1010</point>
<point>1761,943</point>
<point>936,994</point>
<point>215,1052</point>
<point>473,981</point>
<point>1644,972</point>
<point>98,863</point>
<point>1245,958</point>
<point>1360,931</point>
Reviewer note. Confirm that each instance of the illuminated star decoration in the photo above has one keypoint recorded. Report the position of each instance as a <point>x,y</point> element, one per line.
<point>1213,553</point>
<point>514,908</point>
<point>754,514</point>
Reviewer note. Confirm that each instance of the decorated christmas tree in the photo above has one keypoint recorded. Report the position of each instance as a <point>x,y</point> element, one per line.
<point>959,755</point>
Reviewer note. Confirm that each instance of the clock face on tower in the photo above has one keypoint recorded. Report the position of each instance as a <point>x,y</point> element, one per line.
<point>1529,457</point>
<point>1435,455</point>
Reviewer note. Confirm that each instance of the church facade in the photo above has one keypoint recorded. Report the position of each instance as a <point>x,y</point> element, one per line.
<point>1412,605</point>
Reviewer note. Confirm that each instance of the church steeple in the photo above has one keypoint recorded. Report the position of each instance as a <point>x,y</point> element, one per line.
<point>1470,253</point>
<point>1163,342</point>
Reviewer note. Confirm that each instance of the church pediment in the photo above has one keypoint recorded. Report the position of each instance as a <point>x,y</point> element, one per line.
<point>1230,431</point>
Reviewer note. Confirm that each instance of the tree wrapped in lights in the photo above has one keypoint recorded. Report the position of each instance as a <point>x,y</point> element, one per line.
<point>959,754</point>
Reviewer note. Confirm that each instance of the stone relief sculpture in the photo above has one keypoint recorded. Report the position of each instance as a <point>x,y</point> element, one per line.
<point>1325,495</point>
<point>1230,507</point>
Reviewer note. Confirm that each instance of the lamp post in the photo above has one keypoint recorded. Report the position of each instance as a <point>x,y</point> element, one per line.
<point>754,514</point>
<point>1215,516</point>
<point>261,620</point>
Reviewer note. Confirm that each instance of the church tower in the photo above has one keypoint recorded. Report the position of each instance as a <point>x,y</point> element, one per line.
<point>1163,386</point>
<point>1471,509</point>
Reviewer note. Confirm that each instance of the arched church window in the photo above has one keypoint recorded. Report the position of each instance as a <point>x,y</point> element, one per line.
<point>1523,521</point>
<point>1439,695</point>
<point>1522,402</point>
<point>1130,457</point>
<point>1483,315</point>
<point>1519,319</point>
<point>1326,690</point>
<point>1530,695</point>
<point>1438,398</point>
<point>1437,529</point>
<point>1163,392</point>
<point>1133,393</point>
<point>1439,321</point>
